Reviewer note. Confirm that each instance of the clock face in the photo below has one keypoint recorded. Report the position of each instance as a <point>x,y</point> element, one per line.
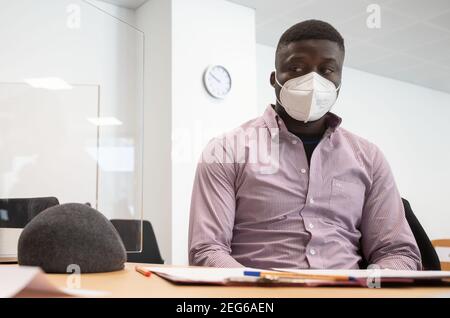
<point>217,81</point>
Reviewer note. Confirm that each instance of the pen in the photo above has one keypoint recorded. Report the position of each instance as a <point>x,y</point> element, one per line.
<point>295,275</point>
<point>144,272</point>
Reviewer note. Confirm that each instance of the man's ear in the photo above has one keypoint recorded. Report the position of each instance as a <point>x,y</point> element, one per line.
<point>272,79</point>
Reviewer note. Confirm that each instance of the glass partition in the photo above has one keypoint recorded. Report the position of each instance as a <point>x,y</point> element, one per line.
<point>71,107</point>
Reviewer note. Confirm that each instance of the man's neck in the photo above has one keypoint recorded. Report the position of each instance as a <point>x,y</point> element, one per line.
<point>296,127</point>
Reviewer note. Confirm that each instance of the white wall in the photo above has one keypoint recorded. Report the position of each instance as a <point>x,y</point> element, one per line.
<point>265,64</point>
<point>182,39</point>
<point>121,13</point>
<point>203,36</point>
<point>155,19</point>
<point>408,122</point>
<point>102,52</point>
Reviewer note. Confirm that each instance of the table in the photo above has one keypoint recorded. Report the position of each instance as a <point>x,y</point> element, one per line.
<point>129,283</point>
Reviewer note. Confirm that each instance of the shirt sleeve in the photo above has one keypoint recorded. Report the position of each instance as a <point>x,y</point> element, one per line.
<point>213,210</point>
<point>387,239</point>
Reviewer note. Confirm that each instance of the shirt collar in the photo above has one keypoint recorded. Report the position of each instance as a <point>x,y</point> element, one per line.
<point>276,125</point>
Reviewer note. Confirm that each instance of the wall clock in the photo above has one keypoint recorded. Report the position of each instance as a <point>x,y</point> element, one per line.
<point>217,81</point>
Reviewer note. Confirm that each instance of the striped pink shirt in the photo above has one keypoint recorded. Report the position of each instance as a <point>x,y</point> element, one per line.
<point>257,203</point>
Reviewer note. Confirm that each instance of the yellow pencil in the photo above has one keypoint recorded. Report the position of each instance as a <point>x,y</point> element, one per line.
<point>272,275</point>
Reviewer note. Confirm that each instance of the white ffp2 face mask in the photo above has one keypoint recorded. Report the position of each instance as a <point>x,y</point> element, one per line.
<point>308,97</point>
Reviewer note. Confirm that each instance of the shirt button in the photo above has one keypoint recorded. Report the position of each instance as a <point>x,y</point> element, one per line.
<point>311,226</point>
<point>312,251</point>
<point>311,201</point>
<point>303,171</point>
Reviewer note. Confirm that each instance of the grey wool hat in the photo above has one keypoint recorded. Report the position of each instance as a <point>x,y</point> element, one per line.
<point>71,234</point>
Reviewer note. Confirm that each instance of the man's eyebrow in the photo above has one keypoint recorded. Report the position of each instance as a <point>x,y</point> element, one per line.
<point>302,56</point>
<point>297,56</point>
<point>330,59</point>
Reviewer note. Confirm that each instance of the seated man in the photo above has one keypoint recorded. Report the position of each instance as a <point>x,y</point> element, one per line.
<point>329,199</point>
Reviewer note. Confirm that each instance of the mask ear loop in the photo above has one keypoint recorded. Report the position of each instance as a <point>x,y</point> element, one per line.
<point>281,87</point>
<point>276,80</point>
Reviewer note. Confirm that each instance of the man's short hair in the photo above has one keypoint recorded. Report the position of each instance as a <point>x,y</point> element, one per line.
<point>311,30</point>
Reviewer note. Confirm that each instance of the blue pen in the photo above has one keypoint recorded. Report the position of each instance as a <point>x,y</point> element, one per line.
<point>252,273</point>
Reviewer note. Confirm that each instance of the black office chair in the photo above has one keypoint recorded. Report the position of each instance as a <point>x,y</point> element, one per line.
<point>130,232</point>
<point>16,213</point>
<point>430,259</point>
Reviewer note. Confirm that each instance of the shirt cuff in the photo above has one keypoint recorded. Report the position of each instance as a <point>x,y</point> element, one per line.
<point>219,259</point>
<point>399,263</point>
<point>213,258</point>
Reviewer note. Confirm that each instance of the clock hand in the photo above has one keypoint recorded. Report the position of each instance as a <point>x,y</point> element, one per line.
<point>218,80</point>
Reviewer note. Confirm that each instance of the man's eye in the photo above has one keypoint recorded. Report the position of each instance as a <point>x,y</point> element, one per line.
<point>297,69</point>
<point>327,71</point>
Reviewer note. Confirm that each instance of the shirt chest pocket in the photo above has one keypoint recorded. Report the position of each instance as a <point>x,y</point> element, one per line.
<point>346,203</point>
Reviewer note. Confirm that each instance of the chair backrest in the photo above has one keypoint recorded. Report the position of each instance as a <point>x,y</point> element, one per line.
<point>444,244</point>
<point>16,213</point>
<point>129,231</point>
<point>430,259</point>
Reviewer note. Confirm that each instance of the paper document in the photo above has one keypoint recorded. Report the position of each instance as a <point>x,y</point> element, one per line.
<point>206,275</point>
<point>231,276</point>
<point>15,280</point>
<point>228,276</point>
